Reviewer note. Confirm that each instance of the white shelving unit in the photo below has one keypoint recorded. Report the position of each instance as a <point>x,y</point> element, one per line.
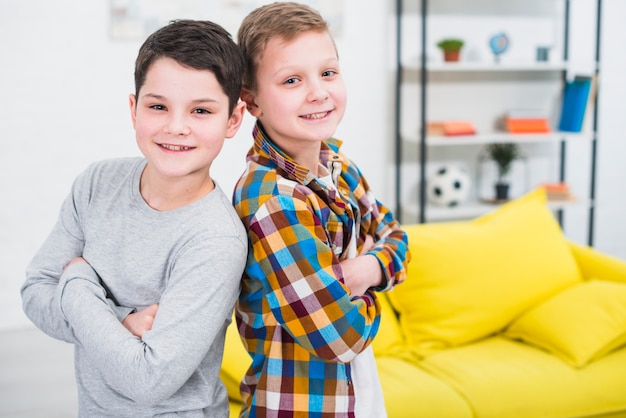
<point>498,137</point>
<point>473,209</point>
<point>488,66</point>
<point>432,90</point>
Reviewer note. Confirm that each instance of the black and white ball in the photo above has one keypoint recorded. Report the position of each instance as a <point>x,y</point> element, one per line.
<point>449,186</point>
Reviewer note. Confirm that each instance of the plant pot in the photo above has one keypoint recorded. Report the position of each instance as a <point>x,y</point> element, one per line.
<point>451,56</point>
<point>502,191</point>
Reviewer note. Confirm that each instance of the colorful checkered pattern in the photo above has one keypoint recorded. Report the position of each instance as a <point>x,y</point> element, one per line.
<point>296,317</point>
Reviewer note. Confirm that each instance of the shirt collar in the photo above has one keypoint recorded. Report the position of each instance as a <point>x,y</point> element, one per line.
<point>265,147</point>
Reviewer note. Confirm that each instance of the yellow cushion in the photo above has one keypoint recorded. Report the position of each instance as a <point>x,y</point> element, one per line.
<point>579,324</point>
<point>468,280</point>
<point>235,362</point>
<point>411,392</point>
<point>389,338</point>
<point>503,378</point>
<point>235,409</point>
<point>594,264</point>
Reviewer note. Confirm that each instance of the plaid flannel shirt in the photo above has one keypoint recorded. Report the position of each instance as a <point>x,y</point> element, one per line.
<point>296,317</point>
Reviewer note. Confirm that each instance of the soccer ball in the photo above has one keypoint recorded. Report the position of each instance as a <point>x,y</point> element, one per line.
<point>449,186</point>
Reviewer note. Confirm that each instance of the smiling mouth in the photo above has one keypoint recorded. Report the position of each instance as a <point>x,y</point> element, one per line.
<point>175,147</point>
<point>319,115</point>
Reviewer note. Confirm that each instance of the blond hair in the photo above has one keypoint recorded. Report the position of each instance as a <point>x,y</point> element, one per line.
<point>285,20</point>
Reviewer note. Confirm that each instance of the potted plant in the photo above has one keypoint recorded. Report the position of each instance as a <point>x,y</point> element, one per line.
<point>451,48</point>
<point>503,155</point>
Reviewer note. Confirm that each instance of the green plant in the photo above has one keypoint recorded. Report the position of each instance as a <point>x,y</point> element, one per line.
<point>503,155</point>
<point>450,44</point>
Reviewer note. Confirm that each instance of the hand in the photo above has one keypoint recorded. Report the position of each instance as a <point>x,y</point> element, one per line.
<point>362,272</point>
<point>141,321</point>
<point>74,261</point>
<point>368,244</point>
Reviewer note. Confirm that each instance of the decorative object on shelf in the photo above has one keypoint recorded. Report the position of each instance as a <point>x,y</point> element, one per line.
<point>449,186</point>
<point>558,191</point>
<point>499,43</point>
<point>503,154</point>
<point>526,121</point>
<point>451,48</point>
<point>576,99</point>
<point>527,126</point>
<point>543,53</point>
<point>450,128</point>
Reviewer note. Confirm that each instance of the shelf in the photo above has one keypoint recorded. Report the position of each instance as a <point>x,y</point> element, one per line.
<point>480,90</point>
<point>466,210</point>
<point>469,210</point>
<point>499,137</point>
<point>487,66</point>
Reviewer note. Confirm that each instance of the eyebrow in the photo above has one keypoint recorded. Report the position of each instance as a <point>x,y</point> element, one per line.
<point>163,98</point>
<point>329,62</point>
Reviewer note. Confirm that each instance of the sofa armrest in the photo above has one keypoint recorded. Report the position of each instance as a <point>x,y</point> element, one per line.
<point>596,265</point>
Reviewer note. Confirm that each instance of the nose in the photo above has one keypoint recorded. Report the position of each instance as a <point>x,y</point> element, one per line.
<point>318,91</point>
<point>177,124</point>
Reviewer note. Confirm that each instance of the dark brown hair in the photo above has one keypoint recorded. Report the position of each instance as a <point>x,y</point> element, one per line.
<point>201,45</point>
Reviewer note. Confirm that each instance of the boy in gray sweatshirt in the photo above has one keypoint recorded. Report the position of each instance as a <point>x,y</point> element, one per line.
<point>142,269</point>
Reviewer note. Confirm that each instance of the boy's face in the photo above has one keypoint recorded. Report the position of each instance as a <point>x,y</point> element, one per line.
<point>181,119</point>
<point>300,96</point>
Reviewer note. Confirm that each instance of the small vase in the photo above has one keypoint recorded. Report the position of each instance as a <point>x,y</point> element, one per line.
<point>502,191</point>
<point>451,56</point>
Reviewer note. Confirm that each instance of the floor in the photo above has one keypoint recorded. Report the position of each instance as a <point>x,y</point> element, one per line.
<point>36,376</point>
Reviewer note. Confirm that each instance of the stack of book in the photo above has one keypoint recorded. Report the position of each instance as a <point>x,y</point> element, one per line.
<point>526,121</point>
<point>558,191</point>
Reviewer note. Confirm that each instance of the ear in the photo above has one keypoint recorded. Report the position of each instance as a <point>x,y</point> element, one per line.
<point>249,98</point>
<point>234,122</point>
<point>132,102</point>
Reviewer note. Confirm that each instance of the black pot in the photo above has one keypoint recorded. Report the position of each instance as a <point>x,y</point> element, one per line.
<point>502,191</point>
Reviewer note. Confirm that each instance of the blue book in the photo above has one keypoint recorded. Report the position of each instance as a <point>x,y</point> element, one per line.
<point>575,98</point>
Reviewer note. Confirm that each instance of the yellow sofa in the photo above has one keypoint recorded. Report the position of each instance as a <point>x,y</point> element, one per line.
<point>499,317</point>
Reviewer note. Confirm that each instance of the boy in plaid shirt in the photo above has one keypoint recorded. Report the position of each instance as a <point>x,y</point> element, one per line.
<point>321,245</point>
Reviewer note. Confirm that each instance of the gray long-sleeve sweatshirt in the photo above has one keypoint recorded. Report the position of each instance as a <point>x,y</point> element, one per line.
<point>188,260</point>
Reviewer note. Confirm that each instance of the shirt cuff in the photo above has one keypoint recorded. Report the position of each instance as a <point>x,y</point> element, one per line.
<point>121,312</point>
<point>385,283</point>
<point>72,276</point>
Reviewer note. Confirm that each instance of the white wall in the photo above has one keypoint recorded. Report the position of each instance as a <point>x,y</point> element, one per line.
<point>65,85</point>
<point>610,227</point>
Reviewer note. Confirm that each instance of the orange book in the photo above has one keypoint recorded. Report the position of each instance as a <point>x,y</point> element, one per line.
<point>458,128</point>
<point>450,128</point>
<point>530,125</point>
<point>559,187</point>
<point>557,191</point>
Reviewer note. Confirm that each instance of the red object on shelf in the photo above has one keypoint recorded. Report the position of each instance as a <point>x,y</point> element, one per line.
<point>451,128</point>
<point>527,125</point>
